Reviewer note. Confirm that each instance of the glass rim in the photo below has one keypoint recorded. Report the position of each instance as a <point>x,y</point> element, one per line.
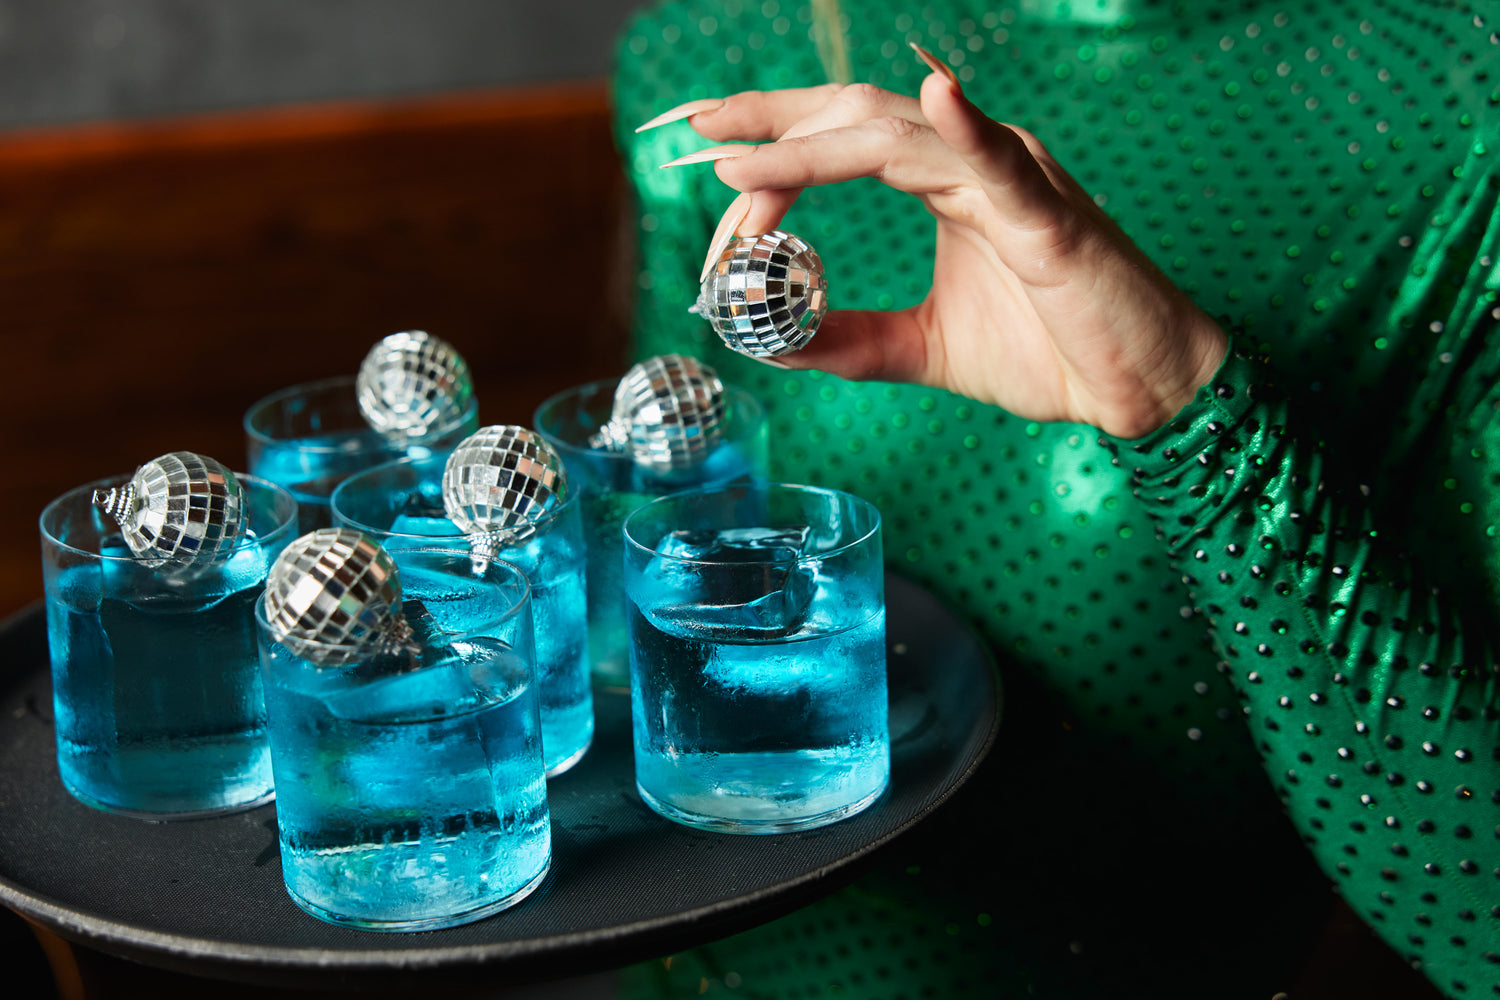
<point>741,397</point>
<point>512,608</point>
<point>304,388</point>
<point>570,498</point>
<point>704,491</point>
<point>245,544</point>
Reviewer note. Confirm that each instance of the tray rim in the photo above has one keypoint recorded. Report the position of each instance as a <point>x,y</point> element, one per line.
<point>169,950</point>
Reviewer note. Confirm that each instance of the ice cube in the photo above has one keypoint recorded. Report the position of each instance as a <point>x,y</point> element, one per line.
<point>247,567</point>
<point>752,580</point>
<point>404,686</point>
<point>736,544</point>
<point>425,646</point>
<point>425,631</point>
<point>442,689</point>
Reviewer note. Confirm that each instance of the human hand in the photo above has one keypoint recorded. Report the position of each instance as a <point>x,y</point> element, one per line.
<point>1039,302</point>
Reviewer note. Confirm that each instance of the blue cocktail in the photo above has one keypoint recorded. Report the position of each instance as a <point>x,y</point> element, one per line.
<point>310,437</point>
<point>156,680</point>
<point>410,785</point>
<point>613,485</point>
<point>757,646</point>
<point>401,505</point>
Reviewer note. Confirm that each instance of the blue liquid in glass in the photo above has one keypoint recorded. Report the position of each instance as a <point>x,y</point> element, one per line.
<point>311,467</point>
<point>606,505</point>
<point>559,609</point>
<point>759,694</point>
<point>158,700</point>
<point>603,516</point>
<point>412,799</point>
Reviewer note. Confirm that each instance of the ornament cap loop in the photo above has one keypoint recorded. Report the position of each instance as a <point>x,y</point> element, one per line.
<point>116,501</point>
<point>484,546</point>
<point>396,637</point>
<point>613,436</point>
<point>703,306</point>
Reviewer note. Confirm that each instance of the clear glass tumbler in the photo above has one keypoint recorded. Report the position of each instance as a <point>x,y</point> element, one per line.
<point>757,656</point>
<point>410,788</point>
<point>612,485</point>
<point>400,505</point>
<point>155,679</point>
<point>310,437</point>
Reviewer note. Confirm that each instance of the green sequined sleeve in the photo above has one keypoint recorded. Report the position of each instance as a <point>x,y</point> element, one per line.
<point>1367,664</point>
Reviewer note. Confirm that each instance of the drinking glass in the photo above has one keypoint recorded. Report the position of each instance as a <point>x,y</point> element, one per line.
<point>612,485</point>
<point>410,792</point>
<point>400,505</point>
<point>757,656</point>
<point>155,679</point>
<point>309,437</point>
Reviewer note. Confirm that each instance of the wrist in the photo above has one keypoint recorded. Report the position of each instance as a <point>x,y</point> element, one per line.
<point>1204,346</point>
<point>1170,383</point>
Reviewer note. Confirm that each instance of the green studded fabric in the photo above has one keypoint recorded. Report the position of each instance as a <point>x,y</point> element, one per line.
<point>1294,580</point>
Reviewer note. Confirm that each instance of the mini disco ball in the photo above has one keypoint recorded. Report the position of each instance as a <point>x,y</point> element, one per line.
<point>765,295</point>
<point>179,513</point>
<point>669,413</point>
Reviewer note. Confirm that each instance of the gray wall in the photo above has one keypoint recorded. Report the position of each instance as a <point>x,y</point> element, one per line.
<point>79,60</point>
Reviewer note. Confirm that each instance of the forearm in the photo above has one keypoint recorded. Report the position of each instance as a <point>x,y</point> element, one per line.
<point>1369,688</point>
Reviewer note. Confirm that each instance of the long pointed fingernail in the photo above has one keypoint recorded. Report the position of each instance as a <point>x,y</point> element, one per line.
<point>684,111</point>
<point>937,65</point>
<point>737,212</point>
<point>711,153</point>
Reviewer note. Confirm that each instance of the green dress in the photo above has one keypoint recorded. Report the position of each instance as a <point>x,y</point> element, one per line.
<point>1294,580</point>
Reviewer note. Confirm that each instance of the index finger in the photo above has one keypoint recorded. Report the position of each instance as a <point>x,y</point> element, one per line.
<point>751,115</point>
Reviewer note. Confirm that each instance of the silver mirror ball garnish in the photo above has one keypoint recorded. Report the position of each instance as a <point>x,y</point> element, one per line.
<point>179,513</point>
<point>669,413</point>
<point>412,383</point>
<point>765,295</point>
<point>498,484</point>
<point>333,597</point>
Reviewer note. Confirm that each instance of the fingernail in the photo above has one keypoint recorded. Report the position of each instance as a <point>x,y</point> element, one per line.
<point>937,65</point>
<point>733,216</point>
<point>711,153</point>
<point>772,362</point>
<point>684,111</point>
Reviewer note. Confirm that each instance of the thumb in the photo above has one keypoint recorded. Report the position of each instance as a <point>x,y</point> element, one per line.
<point>1000,156</point>
<point>864,345</point>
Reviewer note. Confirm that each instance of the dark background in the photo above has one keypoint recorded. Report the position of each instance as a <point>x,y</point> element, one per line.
<point>81,60</point>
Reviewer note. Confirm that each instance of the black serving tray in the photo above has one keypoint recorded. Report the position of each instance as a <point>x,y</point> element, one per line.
<point>206,897</point>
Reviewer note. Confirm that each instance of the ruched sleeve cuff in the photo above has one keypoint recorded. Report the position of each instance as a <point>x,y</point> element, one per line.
<point>1216,447</point>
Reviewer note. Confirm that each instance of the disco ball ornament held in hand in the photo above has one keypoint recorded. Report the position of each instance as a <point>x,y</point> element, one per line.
<point>765,295</point>
<point>179,513</point>
<point>333,597</point>
<point>669,412</point>
<point>412,383</point>
<point>498,484</point>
